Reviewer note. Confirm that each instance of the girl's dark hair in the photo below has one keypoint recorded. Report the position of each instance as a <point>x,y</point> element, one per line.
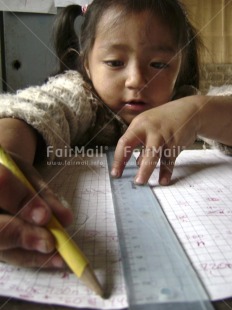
<point>72,50</point>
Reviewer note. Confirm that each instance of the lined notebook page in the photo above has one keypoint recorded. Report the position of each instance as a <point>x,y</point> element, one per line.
<point>199,207</point>
<point>86,186</point>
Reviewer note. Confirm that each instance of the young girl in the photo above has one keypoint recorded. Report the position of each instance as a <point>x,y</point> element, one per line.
<point>119,84</point>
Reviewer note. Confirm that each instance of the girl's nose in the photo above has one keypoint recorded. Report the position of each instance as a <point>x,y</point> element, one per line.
<point>135,78</point>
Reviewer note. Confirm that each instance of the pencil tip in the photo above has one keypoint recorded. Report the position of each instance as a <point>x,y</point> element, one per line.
<point>91,281</point>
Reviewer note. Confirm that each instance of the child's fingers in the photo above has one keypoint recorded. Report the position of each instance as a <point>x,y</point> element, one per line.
<point>33,207</point>
<point>16,233</point>
<point>45,194</point>
<point>123,151</point>
<point>148,160</point>
<point>58,207</point>
<point>146,168</point>
<point>16,198</point>
<point>167,164</point>
<point>166,170</point>
<point>33,259</point>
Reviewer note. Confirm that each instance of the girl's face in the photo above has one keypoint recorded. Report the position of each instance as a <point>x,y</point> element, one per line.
<point>134,62</point>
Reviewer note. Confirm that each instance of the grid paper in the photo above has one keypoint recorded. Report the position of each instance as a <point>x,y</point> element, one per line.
<point>198,205</point>
<point>85,184</point>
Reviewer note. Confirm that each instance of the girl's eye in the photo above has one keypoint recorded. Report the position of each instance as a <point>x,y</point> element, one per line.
<point>159,65</point>
<point>114,63</point>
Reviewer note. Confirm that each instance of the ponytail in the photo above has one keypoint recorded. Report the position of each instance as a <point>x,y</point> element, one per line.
<point>66,41</point>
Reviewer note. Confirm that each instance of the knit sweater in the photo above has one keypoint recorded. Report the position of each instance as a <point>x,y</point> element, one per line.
<point>66,112</point>
<point>225,90</point>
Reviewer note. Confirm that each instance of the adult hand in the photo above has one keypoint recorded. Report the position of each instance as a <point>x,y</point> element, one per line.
<point>24,238</point>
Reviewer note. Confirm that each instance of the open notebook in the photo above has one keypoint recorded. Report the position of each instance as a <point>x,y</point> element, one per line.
<point>197,204</point>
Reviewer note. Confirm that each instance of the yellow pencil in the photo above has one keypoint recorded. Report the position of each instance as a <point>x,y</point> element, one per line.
<point>67,248</point>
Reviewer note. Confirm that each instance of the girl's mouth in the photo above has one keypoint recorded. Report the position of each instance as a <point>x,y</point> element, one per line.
<point>136,106</point>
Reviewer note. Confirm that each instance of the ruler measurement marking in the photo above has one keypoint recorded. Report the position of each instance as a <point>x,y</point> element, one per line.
<point>156,269</point>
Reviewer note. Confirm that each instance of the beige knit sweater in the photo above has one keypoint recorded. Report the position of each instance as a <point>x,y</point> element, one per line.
<point>66,112</point>
<point>225,90</point>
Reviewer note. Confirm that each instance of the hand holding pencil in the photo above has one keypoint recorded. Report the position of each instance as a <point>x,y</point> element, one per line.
<point>34,210</point>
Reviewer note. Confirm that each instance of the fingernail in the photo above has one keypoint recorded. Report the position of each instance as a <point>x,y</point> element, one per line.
<point>114,173</point>
<point>164,181</point>
<point>43,246</point>
<point>37,214</point>
<point>58,262</point>
<point>139,181</point>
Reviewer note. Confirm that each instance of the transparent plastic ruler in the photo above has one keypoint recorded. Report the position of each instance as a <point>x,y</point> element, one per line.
<point>157,271</point>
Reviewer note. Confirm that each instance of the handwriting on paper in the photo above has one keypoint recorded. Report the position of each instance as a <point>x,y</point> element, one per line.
<point>88,192</point>
<point>199,207</point>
